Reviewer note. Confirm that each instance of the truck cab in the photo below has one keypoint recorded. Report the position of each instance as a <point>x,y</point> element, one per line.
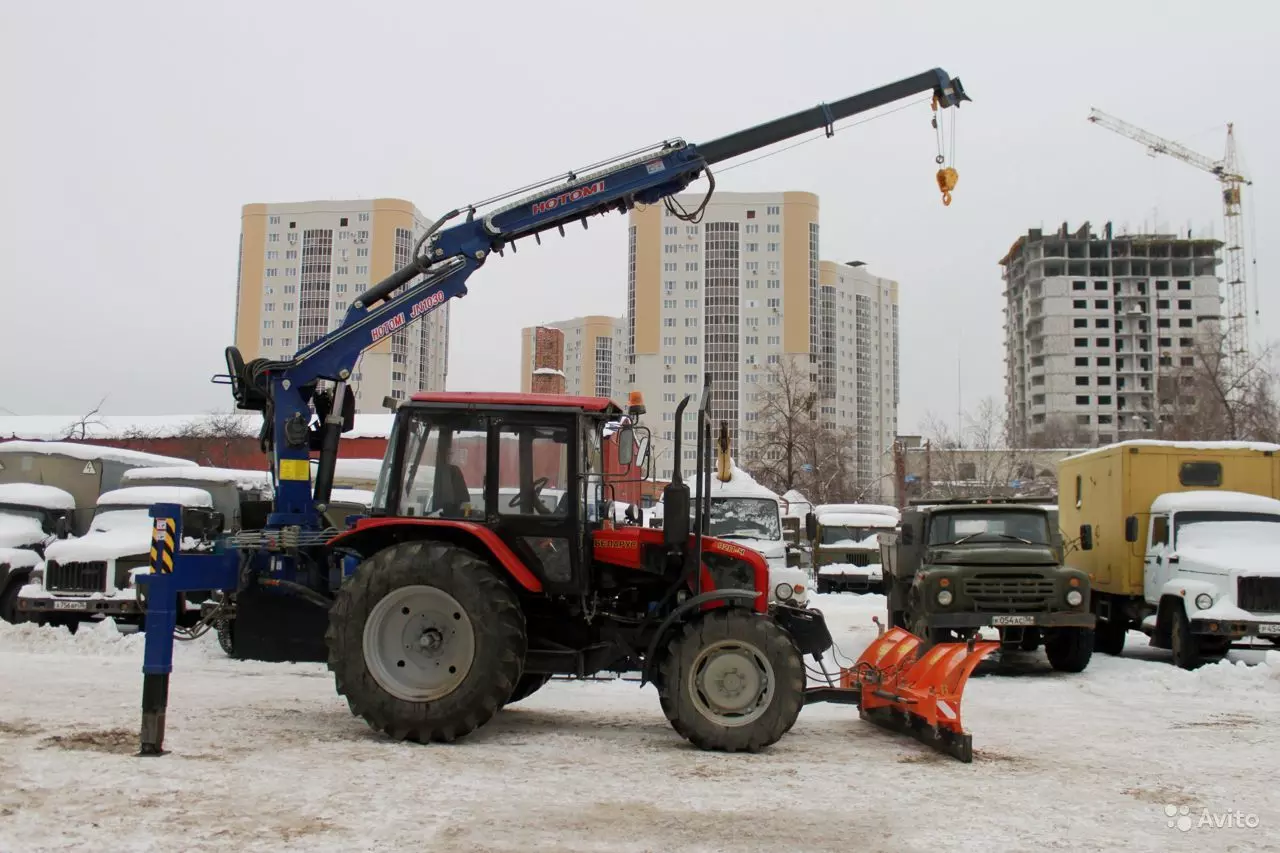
<point>94,576</point>
<point>748,514</point>
<point>1210,577</point>
<point>846,549</point>
<point>31,516</point>
<point>960,565</point>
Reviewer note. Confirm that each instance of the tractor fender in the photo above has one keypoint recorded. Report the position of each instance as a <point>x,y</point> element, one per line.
<point>374,534</point>
<point>731,597</point>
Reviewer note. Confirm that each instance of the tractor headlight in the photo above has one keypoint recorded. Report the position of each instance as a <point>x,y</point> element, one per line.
<point>1204,601</point>
<point>1074,597</point>
<point>783,591</point>
<point>945,597</point>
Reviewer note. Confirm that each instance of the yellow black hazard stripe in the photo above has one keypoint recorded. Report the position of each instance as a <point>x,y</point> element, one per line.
<point>162,546</point>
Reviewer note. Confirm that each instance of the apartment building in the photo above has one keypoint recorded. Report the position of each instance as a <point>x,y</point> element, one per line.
<point>592,357</point>
<point>302,264</point>
<point>743,290</point>
<point>859,326</point>
<point>1101,330</point>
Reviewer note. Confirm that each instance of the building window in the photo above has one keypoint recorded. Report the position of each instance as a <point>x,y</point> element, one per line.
<point>1100,303</point>
<point>1079,285</point>
<point>1184,304</point>
<point>362,269</point>
<point>1102,323</point>
<point>273,238</point>
<point>273,220</point>
<point>1103,342</point>
<point>1080,303</point>
<point>1080,323</point>
<point>1082,380</point>
<point>1104,400</point>
<point>1082,400</point>
<point>1081,342</point>
<point>268,342</point>
<point>1184,285</point>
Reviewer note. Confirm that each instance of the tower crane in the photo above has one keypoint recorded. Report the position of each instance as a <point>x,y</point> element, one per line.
<point>1227,171</point>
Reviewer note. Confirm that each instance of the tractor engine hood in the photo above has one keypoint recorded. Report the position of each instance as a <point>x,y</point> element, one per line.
<point>993,555</point>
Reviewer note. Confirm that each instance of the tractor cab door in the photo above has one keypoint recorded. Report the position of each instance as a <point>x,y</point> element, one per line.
<point>533,495</point>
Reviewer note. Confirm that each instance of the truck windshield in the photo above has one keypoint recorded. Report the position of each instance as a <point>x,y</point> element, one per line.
<point>948,528</point>
<point>111,518</point>
<point>1213,529</point>
<point>746,518</point>
<point>845,535</point>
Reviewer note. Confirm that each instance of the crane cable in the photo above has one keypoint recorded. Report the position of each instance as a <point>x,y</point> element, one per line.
<point>947,175</point>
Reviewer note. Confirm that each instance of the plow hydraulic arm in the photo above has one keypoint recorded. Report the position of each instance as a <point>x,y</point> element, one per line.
<point>305,400</point>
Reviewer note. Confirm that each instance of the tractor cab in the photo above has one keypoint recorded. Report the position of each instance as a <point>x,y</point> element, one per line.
<point>529,467</point>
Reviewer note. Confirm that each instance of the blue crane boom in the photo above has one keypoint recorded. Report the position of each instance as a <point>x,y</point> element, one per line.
<point>291,397</point>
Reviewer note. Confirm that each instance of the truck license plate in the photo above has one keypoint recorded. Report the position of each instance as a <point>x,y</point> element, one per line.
<point>70,605</point>
<point>1269,630</point>
<point>1013,620</point>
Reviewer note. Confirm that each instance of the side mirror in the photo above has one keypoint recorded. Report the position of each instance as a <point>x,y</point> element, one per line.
<point>642,450</point>
<point>626,445</point>
<point>908,536</point>
<point>810,526</point>
<point>1131,529</point>
<point>62,527</point>
<point>1086,537</point>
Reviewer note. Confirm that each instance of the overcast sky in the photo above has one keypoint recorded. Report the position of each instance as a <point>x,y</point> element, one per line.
<point>132,133</point>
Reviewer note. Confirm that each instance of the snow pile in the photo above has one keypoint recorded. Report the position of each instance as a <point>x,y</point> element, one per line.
<point>148,495</point>
<point>35,495</point>
<point>740,485</point>
<point>100,639</point>
<point>548,371</point>
<point>797,504</point>
<point>91,453</point>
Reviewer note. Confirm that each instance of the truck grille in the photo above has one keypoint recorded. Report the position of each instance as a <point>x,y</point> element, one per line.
<point>1008,593</point>
<point>862,558</point>
<point>1260,595</point>
<point>76,577</point>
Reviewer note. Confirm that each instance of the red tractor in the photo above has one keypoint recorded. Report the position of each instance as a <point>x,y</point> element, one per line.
<point>472,591</point>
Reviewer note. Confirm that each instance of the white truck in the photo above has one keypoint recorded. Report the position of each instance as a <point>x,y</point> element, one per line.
<point>747,513</point>
<point>94,576</point>
<point>31,517</point>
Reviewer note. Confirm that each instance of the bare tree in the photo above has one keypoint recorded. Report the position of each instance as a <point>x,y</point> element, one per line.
<point>215,437</point>
<point>977,461</point>
<point>777,441</point>
<point>79,428</point>
<point>1201,398</point>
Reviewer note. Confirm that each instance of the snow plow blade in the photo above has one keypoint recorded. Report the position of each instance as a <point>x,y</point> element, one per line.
<point>919,696</point>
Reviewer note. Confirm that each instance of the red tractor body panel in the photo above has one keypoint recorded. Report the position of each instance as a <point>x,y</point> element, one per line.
<point>623,546</point>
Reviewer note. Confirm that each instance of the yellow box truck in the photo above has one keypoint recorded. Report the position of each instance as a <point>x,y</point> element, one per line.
<point>1180,540</point>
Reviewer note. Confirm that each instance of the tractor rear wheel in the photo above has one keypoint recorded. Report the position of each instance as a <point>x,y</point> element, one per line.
<point>426,641</point>
<point>732,680</point>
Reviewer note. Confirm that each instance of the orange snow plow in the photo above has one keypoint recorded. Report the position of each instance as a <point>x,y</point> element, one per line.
<point>896,687</point>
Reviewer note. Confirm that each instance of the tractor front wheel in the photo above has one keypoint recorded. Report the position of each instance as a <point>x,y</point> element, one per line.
<point>732,681</point>
<point>426,641</point>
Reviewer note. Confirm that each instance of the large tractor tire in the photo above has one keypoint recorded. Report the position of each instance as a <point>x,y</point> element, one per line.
<point>1069,649</point>
<point>527,686</point>
<point>732,681</point>
<point>426,641</point>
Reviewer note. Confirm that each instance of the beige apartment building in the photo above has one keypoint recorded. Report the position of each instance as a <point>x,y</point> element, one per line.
<point>741,291</point>
<point>302,264</point>
<point>592,350</point>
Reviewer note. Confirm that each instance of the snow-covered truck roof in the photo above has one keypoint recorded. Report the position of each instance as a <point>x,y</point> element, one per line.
<point>148,495</point>
<point>1205,500</point>
<point>857,519</point>
<point>92,453</point>
<point>19,558</point>
<point>242,478</point>
<point>36,495</point>
<point>1262,447</point>
<point>861,509</point>
<point>740,485</point>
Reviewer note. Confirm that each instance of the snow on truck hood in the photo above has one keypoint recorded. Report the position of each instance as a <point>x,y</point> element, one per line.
<point>19,558</point>
<point>1231,560</point>
<point>35,495</point>
<point>102,545</point>
<point>19,530</point>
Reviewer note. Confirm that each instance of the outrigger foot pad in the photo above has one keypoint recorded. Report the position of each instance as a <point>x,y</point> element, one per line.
<point>155,700</point>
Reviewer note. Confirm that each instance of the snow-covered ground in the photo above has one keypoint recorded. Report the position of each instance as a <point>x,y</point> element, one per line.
<point>267,757</point>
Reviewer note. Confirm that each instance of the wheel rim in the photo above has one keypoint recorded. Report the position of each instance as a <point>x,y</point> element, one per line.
<point>419,643</point>
<point>731,683</point>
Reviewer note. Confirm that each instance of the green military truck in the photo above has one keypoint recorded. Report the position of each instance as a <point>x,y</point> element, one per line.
<point>953,567</point>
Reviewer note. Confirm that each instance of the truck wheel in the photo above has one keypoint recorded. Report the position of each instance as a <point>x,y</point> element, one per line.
<point>1069,649</point>
<point>226,636</point>
<point>824,587</point>
<point>426,641</point>
<point>527,686</point>
<point>1186,645</point>
<point>1109,635</point>
<point>732,681</point>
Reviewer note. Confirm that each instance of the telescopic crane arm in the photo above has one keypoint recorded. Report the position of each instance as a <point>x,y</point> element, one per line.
<point>445,257</point>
